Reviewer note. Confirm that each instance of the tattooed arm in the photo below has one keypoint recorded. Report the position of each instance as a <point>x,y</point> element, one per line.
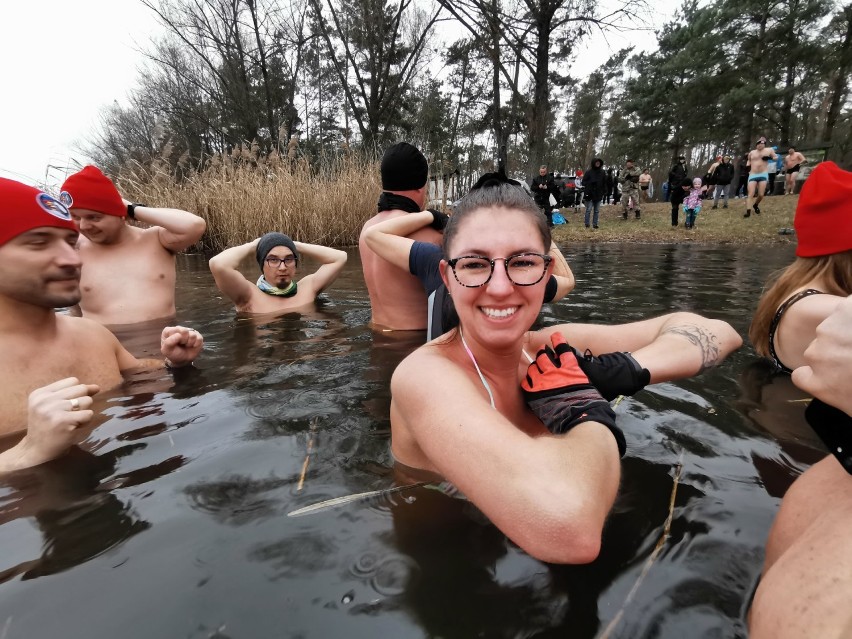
<point>670,347</point>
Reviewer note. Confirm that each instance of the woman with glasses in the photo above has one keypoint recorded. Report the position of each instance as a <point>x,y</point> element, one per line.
<point>508,415</point>
<point>276,289</point>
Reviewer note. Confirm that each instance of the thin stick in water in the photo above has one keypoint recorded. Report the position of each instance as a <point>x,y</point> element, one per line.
<point>310,448</point>
<point>661,542</point>
<point>348,499</point>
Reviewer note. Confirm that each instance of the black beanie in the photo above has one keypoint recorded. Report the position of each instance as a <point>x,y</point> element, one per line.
<point>269,242</point>
<point>404,168</point>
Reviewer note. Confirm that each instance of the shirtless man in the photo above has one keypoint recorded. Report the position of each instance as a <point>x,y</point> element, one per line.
<point>792,162</point>
<point>397,298</point>
<point>758,163</point>
<point>53,364</point>
<point>278,258</point>
<point>807,575</point>
<point>130,271</point>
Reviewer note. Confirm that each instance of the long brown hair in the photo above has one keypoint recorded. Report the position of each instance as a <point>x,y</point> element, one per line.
<point>834,272</point>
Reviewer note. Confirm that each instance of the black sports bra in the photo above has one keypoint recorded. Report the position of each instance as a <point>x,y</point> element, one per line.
<point>777,320</point>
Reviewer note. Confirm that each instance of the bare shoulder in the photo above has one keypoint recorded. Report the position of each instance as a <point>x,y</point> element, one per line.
<point>83,329</point>
<point>814,308</point>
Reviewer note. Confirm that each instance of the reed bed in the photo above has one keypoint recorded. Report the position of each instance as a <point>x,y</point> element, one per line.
<point>242,196</point>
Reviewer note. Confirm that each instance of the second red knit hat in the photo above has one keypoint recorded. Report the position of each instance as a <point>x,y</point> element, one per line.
<point>92,190</point>
<point>824,213</point>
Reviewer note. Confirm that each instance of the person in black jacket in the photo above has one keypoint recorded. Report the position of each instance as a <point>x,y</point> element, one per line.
<point>722,176</point>
<point>676,194</point>
<point>594,186</point>
<point>542,186</point>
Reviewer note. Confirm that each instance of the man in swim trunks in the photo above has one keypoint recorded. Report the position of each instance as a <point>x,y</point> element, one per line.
<point>276,289</point>
<point>54,363</point>
<point>644,184</point>
<point>397,299</point>
<point>130,271</point>
<point>792,163</point>
<point>758,163</point>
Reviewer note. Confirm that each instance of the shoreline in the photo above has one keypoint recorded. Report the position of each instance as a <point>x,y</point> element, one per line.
<point>720,226</point>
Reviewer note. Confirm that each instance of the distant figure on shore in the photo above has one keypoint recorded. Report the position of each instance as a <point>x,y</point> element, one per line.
<point>629,180</point>
<point>792,163</point>
<point>677,175</point>
<point>758,163</point>
<point>645,185</point>
<point>278,259</point>
<point>52,363</point>
<point>723,174</point>
<point>130,271</point>
<point>542,187</point>
<point>397,299</point>
<point>594,184</point>
<point>692,203</point>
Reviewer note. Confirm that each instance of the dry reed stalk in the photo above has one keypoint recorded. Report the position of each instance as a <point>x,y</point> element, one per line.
<point>310,448</point>
<point>661,542</point>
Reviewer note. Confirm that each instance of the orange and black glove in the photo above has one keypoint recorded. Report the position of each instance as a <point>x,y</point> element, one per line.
<point>560,394</point>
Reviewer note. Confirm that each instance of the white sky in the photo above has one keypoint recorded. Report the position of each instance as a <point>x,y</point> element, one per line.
<point>83,54</point>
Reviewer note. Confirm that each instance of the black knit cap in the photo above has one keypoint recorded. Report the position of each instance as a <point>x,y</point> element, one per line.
<point>404,168</point>
<point>269,242</point>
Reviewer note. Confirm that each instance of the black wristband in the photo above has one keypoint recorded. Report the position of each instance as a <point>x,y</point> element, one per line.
<point>131,210</point>
<point>834,428</point>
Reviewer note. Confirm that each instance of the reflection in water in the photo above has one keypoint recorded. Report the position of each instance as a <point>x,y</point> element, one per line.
<point>180,503</point>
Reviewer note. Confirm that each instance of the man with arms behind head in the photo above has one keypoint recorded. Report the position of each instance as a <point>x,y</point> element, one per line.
<point>130,271</point>
<point>276,289</point>
<point>397,298</point>
<point>53,364</point>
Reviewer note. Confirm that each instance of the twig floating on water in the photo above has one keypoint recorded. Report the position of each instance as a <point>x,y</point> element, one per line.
<point>348,499</point>
<point>310,448</point>
<point>661,542</point>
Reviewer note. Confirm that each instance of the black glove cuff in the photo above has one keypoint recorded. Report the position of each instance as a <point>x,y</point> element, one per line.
<point>439,220</point>
<point>834,428</point>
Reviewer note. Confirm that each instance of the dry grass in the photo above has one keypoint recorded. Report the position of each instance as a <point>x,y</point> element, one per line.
<point>244,197</point>
<point>720,226</point>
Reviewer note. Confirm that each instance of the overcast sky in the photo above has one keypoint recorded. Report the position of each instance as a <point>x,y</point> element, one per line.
<point>63,60</point>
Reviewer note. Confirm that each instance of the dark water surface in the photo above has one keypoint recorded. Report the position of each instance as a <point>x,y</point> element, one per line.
<point>170,521</point>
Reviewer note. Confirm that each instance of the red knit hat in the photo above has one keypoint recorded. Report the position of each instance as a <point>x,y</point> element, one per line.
<point>824,214</point>
<point>23,208</point>
<point>92,190</point>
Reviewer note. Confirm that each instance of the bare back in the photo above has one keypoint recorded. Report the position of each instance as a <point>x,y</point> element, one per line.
<point>76,348</point>
<point>127,282</point>
<point>397,298</point>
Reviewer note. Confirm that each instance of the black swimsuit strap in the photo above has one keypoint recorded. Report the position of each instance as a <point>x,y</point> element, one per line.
<point>773,327</point>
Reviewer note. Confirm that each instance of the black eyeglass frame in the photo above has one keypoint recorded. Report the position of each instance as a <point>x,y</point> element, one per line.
<point>282,260</point>
<point>452,264</point>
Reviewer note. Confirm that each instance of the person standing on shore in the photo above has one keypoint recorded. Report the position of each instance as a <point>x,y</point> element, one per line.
<point>630,190</point>
<point>758,163</point>
<point>722,176</point>
<point>645,185</point>
<point>397,300</point>
<point>542,186</point>
<point>594,183</point>
<point>792,163</point>
<point>677,175</point>
<point>109,246</point>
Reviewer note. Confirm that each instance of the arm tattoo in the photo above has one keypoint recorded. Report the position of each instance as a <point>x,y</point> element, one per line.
<point>703,339</point>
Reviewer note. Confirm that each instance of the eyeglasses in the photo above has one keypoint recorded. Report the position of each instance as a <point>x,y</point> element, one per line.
<point>275,262</point>
<point>522,269</point>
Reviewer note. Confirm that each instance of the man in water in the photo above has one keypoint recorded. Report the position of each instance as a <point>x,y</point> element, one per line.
<point>758,163</point>
<point>130,271</point>
<point>397,299</point>
<point>278,259</point>
<point>53,363</point>
<point>792,163</point>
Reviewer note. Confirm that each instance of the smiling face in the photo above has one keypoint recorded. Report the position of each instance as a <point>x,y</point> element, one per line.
<point>96,227</point>
<point>498,313</point>
<point>41,267</point>
<point>282,273</point>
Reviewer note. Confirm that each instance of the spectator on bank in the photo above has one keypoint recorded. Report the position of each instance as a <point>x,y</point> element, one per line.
<point>645,185</point>
<point>743,180</point>
<point>542,187</point>
<point>722,176</point>
<point>594,182</point>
